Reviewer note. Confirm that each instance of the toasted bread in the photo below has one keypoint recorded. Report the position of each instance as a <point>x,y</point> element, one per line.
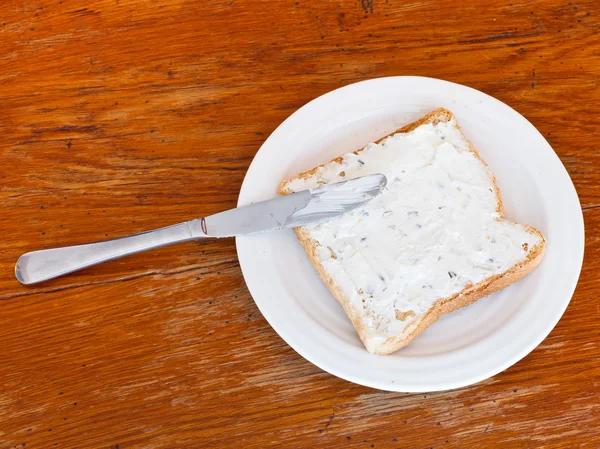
<point>435,241</point>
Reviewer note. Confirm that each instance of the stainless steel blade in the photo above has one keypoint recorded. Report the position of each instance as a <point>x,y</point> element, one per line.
<point>296,209</point>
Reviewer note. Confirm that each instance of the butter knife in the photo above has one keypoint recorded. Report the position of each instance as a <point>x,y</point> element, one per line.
<point>297,209</point>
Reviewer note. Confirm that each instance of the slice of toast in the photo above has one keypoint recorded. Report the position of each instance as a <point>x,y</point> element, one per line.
<point>434,241</point>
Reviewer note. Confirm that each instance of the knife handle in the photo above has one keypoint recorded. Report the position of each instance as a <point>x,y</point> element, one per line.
<point>38,266</point>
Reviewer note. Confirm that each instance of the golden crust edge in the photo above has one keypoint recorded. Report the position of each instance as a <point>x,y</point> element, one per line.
<point>467,296</point>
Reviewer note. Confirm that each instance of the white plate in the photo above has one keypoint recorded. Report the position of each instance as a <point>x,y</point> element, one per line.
<point>466,346</point>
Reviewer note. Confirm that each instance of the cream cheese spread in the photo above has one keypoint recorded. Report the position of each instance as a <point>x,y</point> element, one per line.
<point>433,231</point>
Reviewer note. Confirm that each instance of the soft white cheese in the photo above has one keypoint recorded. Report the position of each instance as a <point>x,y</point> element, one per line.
<point>432,232</point>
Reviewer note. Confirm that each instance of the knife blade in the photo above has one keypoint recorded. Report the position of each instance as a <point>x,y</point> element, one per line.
<point>297,209</point>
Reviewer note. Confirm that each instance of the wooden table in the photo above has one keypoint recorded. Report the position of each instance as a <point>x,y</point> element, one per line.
<point>119,116</point>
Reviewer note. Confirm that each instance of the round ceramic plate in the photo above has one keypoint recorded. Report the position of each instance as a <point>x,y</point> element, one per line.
<point>466,346</point>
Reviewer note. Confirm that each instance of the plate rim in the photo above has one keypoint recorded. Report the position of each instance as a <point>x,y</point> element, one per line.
<point>499,367</point>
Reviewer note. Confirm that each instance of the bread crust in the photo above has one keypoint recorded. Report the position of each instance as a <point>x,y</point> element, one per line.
<point>443,305</point>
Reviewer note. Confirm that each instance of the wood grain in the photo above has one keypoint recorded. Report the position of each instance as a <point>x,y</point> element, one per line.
<point>119,116</point>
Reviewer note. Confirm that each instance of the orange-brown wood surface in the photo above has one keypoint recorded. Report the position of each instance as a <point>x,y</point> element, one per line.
<point>118,116</point>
